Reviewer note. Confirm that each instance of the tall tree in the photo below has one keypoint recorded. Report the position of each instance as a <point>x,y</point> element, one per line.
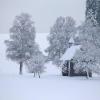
<point>59,36</point>
<point>21,44</point>
<point>88,55</point>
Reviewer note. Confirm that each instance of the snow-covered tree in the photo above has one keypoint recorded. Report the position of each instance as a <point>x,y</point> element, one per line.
<point>90,5</point>
<point>91,16</point>
<point>85,61</point>
<point>87,57</point>
<point>98,12</point>
<point>21,45</point>
<point>36,64</point>
<point>94,7</point>
<point>59,36</point>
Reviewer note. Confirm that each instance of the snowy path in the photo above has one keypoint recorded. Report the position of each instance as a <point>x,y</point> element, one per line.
<point>48,88</point>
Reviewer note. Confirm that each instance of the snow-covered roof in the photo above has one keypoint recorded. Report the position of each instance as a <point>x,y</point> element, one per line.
<point>70,52</point>
<point>71,40</point>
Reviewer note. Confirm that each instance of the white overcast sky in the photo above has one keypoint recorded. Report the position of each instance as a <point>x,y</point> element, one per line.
<point>44,12</point>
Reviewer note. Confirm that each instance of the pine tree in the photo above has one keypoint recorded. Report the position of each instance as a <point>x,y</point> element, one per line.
<point>90,5</point>
<point>94,7</point>
<point>21,44</point>
<point>98,12</point>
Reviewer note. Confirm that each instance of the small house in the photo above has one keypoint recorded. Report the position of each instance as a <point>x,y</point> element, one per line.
<point>68,62</point>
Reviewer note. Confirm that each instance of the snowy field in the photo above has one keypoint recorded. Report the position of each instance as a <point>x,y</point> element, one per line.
<point>51,85</point>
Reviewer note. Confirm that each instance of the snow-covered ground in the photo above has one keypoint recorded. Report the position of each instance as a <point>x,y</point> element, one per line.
<point>51,85</point>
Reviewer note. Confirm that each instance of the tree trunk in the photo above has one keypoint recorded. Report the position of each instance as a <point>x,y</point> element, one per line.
<point>87,72</point>
<point>39,74</point>
<point>20,69</point>
<point>34,74</point>
<point>69,68</point>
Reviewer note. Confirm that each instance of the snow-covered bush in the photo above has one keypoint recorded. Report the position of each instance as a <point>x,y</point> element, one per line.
<point>36,64</point>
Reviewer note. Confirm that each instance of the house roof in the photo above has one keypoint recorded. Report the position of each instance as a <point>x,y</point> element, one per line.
<point>71,40</point>
<point>70,52</point>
